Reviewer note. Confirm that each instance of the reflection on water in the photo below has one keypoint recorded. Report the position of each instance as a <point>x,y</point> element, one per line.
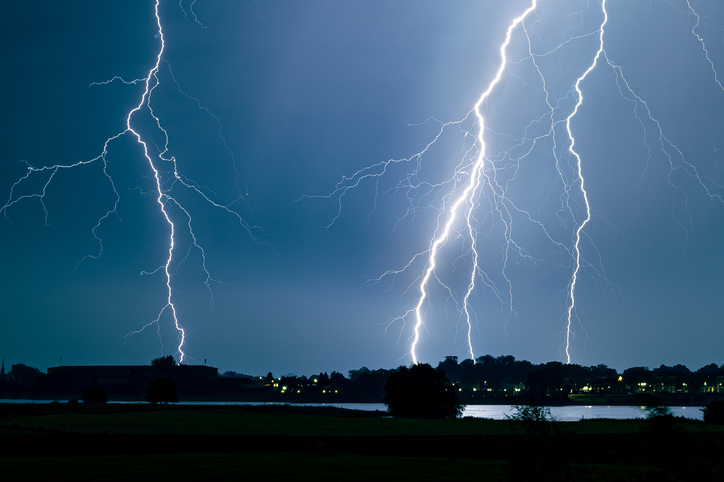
<point>568,413</point>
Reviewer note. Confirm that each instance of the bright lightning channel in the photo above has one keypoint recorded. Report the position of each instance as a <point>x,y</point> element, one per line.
<point>478,178</point>
<point>162,191</point>
<point>466,196</point>
<point>703,45</point>
<point>481,177</point>
<point>579,229</point>
<point>466,188</point>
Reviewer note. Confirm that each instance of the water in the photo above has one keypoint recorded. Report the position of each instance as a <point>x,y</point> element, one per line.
<point>568,413</point>
<point>571,413</point>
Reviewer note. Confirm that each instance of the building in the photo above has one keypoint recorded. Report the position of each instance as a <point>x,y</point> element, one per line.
<point>129,381</point>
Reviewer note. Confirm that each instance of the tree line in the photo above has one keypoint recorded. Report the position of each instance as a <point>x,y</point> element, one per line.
<point>504,376</point>
<point>485,377</point>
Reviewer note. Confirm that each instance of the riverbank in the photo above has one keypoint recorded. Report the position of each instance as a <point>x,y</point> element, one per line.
<point>278,442</point>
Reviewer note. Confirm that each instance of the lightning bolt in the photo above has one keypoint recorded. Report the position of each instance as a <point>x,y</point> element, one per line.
<point>475,178</point>
<point>466,197</point>
<point>582,224</point>
<point>674,155</point>
<point>165,176</point>
<point>474,184</point>
<point>481,177</point>
<point>703,45</point>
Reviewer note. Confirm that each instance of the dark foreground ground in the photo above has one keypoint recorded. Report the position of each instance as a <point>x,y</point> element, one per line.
<point>199,443</point>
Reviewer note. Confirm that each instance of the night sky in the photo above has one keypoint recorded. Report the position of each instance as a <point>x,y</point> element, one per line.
<point>268,105</point>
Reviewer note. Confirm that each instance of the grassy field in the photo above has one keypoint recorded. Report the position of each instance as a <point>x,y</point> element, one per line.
<point>143,442</point>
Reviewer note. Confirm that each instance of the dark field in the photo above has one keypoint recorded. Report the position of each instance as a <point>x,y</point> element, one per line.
<point>182,443</point>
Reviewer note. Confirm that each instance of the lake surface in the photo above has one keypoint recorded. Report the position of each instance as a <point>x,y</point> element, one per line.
<point>571,413</point>
<point>567,413</point>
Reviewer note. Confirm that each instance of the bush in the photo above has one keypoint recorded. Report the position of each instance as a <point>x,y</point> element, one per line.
<point>540,449</point>
<point>421,392</point>
<point>714,412</point>
<point>531,419</point>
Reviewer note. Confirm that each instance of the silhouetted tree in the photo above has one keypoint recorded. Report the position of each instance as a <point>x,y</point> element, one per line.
<point>24,374</point>
<point>342,383</point>
<point>355,374</point>
<point>94,395</point>
<point>636,377</point>
<point>672,378</point>
<point>317,383</point>
<point>290,383</point>
<point>711,369</point>
<point>467,372</point>
<point>493,372</point>
<point>603,371</point>
<point>539,447</point>
<point>233,374</point>
<point>163,361</point>
<point>531,419</point>
<point>660,421</point>
<point>547,380</point>
<point>163,390</point>
<point>421,392</point>
<point>705,379</point>
<point>714,412</point>
<point>369,383</point>
<point>451,368</point>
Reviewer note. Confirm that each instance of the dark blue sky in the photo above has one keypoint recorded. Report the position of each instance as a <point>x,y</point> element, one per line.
<point>308,92</point>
